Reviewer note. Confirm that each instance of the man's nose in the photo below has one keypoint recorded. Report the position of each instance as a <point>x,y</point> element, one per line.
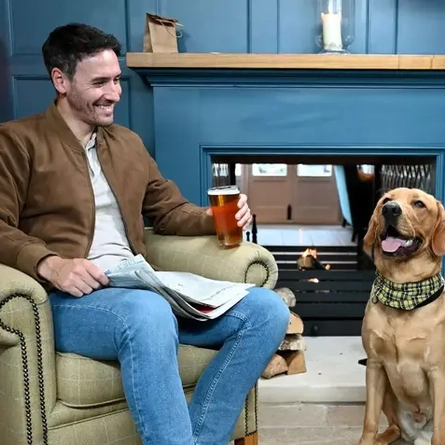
<point>391,210</point>
<point>114,92</point>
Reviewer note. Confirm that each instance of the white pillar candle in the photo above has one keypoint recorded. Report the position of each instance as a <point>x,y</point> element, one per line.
<point>331,23</point>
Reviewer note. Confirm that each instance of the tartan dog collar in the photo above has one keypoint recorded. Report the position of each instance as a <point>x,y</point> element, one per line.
<point>406,296</point>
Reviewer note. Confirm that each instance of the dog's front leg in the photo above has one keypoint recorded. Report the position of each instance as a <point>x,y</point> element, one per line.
<point>376,384</point>
<point>437,382</point>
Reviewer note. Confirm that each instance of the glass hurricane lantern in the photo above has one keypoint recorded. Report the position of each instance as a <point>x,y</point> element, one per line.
<point>336,25</point>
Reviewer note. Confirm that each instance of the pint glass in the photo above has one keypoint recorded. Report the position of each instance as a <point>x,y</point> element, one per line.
<point>224,205</point>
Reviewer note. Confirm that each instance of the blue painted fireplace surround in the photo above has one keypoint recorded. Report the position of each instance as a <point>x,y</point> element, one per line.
<point>200,113</point>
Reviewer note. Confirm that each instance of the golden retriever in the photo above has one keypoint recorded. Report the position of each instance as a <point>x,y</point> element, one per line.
<point>404,338</point>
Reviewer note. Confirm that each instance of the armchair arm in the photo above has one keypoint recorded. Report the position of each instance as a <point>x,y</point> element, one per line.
<point>248,263</point>
<point>27,368</point>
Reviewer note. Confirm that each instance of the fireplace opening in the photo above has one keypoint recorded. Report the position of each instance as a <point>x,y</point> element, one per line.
<point>316,232</point>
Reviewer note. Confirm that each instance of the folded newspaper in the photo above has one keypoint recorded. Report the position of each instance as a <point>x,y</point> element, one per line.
<point>190,295</point>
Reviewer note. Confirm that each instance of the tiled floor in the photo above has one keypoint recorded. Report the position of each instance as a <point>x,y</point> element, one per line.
<point>304,424</point>
<point>298,235</point>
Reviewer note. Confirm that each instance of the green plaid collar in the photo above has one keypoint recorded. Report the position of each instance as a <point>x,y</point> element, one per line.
<point>406,296</point>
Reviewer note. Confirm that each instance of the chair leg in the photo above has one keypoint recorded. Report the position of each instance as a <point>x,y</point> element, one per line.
<point>248,440</point>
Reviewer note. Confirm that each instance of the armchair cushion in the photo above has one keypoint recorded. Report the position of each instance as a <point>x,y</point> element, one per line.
<point>83,382</point>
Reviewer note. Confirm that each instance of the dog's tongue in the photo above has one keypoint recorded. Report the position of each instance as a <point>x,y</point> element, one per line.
<point>391,244</point>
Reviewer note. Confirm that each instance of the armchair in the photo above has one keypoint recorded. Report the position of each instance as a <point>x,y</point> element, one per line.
<point>52,398</point>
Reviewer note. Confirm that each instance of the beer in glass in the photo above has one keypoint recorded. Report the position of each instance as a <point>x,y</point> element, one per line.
<point>224,205</point>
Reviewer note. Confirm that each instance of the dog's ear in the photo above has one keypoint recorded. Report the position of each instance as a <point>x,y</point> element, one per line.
<point>371,234</point>
<point>438,240</point>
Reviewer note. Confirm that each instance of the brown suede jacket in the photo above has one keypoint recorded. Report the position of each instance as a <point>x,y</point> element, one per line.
<point>46,198</point>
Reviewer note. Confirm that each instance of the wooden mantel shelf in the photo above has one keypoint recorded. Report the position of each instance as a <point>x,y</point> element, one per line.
<point>284,61</point>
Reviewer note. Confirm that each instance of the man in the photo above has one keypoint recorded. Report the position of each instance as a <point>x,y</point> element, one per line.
<point>73,189</point>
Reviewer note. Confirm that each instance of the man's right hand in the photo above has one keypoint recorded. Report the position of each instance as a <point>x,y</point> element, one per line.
<point>77,277</point>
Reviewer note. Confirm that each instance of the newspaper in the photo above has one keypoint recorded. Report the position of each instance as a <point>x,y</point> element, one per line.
<point>190,295</point>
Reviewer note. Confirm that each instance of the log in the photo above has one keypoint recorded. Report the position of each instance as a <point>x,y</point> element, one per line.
<point>296,364</point>
<point>287,296</point>
<point>310,262</point>
<point>276,366</point>
<point>296,325</point>
<point>289,359</point>
<point>293,342</point>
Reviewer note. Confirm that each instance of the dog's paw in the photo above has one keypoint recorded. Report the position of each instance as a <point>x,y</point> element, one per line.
<point>366,440</point>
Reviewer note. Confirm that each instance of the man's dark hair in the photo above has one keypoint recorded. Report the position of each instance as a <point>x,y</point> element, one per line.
<point>69,44</point>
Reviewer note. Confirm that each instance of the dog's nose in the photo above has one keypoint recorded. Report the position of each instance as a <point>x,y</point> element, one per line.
<point>391,210</point>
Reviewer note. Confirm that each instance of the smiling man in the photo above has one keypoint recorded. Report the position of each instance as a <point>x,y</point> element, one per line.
<point>88,90</point>
<point>74,188</point>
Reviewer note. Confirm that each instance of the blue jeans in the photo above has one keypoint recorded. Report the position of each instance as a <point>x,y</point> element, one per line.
<point>139,329</point>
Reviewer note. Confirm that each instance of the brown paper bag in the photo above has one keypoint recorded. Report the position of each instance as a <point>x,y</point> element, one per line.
<point>160,34</point>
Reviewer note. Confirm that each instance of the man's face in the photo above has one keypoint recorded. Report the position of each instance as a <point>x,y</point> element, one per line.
<point>95,89</point>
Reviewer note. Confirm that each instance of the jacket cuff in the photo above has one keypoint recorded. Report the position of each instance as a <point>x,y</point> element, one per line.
<point>30,256</point>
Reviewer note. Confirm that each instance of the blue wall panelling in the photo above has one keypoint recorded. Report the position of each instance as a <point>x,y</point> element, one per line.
<point>261,26</point>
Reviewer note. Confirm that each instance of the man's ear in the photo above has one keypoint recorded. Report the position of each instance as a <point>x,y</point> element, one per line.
<point>59,80</point>
<point>371,234</point>
<point>438,239</point>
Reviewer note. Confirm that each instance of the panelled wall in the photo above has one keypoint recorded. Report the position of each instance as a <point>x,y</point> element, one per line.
<point>263,26</point>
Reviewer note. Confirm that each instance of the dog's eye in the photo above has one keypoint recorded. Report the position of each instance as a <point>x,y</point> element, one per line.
<point>385,201</point>
<point>419,204</point>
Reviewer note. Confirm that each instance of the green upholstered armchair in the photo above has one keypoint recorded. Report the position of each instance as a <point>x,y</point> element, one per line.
<point>52,398</point>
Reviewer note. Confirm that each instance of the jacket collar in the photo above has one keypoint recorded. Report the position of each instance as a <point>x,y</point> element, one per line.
<point>58,125</point>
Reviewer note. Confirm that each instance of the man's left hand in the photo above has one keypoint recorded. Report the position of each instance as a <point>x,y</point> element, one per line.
<point>243,215</point>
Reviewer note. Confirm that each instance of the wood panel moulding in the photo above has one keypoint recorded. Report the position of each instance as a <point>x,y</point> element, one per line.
<point>285,61</point>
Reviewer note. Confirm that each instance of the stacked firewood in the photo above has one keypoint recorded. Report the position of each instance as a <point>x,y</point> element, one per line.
<point>289,359</point>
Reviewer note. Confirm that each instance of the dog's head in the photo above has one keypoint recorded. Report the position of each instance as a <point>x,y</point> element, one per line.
<point>407,226</point>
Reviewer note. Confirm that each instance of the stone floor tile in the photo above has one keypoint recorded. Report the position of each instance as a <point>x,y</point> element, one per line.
<point>292,415</point>
<point>312,424</point>
<point>348,414</point>
<point>310,435</point>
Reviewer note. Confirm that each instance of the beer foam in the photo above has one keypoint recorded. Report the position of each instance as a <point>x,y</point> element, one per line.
<point>224,190</point>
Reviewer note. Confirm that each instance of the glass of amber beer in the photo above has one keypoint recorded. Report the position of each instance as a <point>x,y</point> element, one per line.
<point>224,205</point>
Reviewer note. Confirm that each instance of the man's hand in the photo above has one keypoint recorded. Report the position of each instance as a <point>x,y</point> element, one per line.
<point>77,277</point>
<point>243,215</point>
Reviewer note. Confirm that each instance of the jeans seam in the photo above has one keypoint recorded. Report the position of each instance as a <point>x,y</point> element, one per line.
<point>206,403</point>
<point>131,351</point>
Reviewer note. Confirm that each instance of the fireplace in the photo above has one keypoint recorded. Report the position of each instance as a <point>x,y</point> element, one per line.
<point>386,111</point>
<point>332,283</point>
